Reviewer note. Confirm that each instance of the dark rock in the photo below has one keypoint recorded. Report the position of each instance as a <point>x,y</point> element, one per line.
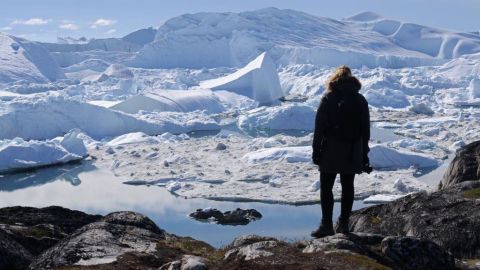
<point>235,217</point>
<point>244,240</point>
<point>450,218</point>
<point>13,255</point>
<point>38,229</point>
<point>415,253</point>
<point>258,252</point>
<point>252,251</point>
<point>464,167</point>
<point>221,146</point>
<point>207,214</point>
<point>65,219</point>
<point>329,243</point>
<point>127,218</point>
<point>355,244</point>
<point>105,240</point>
<point>366,238</point>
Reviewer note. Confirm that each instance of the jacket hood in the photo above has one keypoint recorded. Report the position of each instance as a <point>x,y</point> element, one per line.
<point>345,85</point>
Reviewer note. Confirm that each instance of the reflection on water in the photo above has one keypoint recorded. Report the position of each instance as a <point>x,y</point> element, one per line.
<point>84,187</point>
<point>68,173</point>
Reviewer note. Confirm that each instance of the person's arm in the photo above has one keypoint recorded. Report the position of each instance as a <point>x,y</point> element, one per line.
<point>365,131</point>
<point>320,130</point>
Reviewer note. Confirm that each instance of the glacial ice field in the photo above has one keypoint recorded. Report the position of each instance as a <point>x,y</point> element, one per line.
<point>221,106</point>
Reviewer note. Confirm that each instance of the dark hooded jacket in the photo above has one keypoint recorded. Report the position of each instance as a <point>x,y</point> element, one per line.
<point>332,152</point>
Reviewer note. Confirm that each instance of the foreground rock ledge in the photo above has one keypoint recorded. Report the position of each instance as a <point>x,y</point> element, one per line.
<point>128,240</point>
<point>449,217</point>
<point>464,167</point>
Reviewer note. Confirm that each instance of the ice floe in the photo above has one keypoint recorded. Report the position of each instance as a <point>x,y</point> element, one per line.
<point>17,154</point>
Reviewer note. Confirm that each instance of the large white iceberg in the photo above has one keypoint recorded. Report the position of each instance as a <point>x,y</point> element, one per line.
<point>18,154</point>
<point>26,60</point>
<point>427,40</point>
<point>292,37</point>
<point>47,116</point>
<point>258,80</point>
<point>172,101</point>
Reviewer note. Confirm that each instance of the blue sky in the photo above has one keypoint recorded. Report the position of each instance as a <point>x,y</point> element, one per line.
<point>46,19</point>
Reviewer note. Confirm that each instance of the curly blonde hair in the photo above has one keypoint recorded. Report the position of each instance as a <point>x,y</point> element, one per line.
<point>342,72</point>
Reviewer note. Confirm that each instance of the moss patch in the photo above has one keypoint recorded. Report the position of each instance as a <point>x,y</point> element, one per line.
<point>363,262</point>
<point>375,220</point>
<point>473,262</point>
<point>472,193</point>
<point>188,245</point>
<point>37,232</point>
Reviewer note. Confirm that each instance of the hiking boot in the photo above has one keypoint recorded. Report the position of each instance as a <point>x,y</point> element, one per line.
<point>342,226</point>
<point>325,229</point>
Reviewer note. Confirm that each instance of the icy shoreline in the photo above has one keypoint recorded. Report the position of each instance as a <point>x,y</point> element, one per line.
<point>189,167</point>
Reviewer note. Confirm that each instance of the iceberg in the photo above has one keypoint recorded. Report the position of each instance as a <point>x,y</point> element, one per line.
<point>294,116</point>
<point>26,60</point>
<point>383,157</point>
<point>172,101</point>
<point>292,37</point>
<point>18,154</point>
<point>257,80</point>
<point>43,117</point>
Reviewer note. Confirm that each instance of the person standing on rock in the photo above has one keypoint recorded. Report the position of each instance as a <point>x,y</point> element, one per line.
<point>340,145</point>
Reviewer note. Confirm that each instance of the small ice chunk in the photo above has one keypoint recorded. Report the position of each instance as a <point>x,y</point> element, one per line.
<point>173,186</point>
<point>275,182</point>
<point>152,155</point>
<point>421,108</point>
<point>381,198</point>
<point>457,145</point>
<point>315,186</point>
<point>474,88</point>
<point>404,187</point>
<point>73,143</point>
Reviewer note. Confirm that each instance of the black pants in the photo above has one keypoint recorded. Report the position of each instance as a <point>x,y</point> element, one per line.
<point>326,196</point>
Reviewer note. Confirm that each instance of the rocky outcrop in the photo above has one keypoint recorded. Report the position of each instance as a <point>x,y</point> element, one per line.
<point>26,231</point>
<point>235,217</point>
<point>128,240</point>
<point>410,253</point>
<point>103,241</point>
<point>464,167</point>
<point>34,230</point>
<point>12,254</point>
<point>449,217</point>
<point>352,251</point>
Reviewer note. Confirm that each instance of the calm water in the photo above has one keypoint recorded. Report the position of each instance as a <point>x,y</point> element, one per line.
<point>84,187</point>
